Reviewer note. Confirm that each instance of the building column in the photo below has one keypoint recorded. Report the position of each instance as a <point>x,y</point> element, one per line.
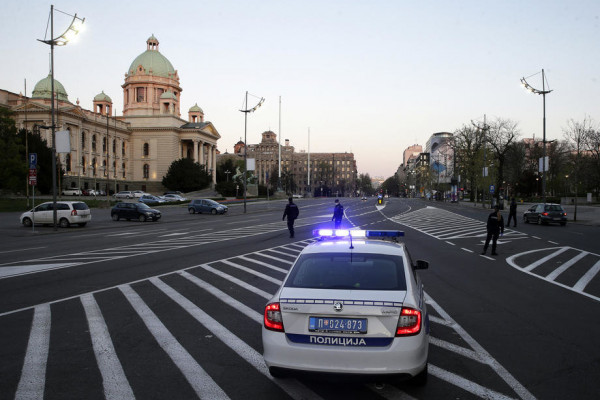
<point>195,150</point>
<point>214,164</point>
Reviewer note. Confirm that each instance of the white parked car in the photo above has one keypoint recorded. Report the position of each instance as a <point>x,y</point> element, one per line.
<point>67,213</point>
<point>71,192</point>
<point>352,303</point>
<point>125,194</point>
<point>172,197</point>
<point>139,193</point>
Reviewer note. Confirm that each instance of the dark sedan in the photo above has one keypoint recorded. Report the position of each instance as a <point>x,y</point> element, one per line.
<point>545,214</point>
<point>206,206</point>
<point>139,211</point>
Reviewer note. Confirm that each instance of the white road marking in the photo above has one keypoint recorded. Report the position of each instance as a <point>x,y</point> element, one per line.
<point>585,279</point>
<point>199,380</point>
<point>33,375</point>
<point>114,381</point>
<point>26,249</point>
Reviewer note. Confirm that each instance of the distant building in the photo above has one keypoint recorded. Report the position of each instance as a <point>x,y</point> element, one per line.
<point>132,151</point>
<point>330,173</point>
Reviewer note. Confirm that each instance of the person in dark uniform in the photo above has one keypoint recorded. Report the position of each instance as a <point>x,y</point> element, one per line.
<point>338,214</point>
<point>292,212</point>
<point>495,226</point>
<point>512,213</point>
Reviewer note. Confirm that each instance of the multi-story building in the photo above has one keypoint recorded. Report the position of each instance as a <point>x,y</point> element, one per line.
<point>132,151</point>
<point>331,174</point>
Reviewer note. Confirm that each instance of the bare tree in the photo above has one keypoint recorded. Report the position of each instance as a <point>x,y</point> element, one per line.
<point>502,135</point>
<point>577,135</point>
<point>468,145</point>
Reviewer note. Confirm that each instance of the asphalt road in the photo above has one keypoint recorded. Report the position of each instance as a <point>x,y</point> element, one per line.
<point>173,309</point>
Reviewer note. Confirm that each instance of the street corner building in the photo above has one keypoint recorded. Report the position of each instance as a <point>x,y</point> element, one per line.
<point>132,151</point>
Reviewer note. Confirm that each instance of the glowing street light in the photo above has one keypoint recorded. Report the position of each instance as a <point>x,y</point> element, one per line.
<point>543,92</point>
<point>247,110</point>
<point>62,40</point>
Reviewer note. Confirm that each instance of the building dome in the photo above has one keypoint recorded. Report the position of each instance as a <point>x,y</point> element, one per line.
<point>195,108</point>
<point>168,95</point>
<point>102,97</point>
<point>151,61</point>
<point>43,89</point>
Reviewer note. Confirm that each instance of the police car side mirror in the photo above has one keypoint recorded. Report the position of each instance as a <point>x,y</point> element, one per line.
<point>421,264</point>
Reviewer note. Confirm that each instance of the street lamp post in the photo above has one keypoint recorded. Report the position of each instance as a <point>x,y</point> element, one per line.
<point>227,174</point>
<point>247,110</point>
<point>543,92</point>
<point>61,40</point>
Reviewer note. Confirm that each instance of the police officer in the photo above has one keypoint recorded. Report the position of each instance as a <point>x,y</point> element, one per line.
<point>292,212</point>
<point>495,226</point>
<point>338,214</point>
<point>512,213</point>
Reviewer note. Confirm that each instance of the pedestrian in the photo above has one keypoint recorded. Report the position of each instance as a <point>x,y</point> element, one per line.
<point>338,214</point>
<point>495,227</point>
<point>292,212</point>
<point>512,213</point>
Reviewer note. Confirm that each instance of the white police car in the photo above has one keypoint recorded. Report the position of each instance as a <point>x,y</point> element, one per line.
<point>352,303</point>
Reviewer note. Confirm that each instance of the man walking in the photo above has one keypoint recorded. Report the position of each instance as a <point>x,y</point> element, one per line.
<point>338,214</point>
<point>495,226</point>
<point>292,212</point>
<point>512,213</point>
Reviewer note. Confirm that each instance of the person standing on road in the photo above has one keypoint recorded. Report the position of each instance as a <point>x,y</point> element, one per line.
<point>512,213</point>
<point>338,214</point>
<point>292,212</point>
<point>495,227</point>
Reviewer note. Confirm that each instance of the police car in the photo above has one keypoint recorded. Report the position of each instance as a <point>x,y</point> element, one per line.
<point>351,304</point>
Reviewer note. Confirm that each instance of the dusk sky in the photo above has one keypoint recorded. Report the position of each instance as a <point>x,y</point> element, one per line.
<point>368,77</point>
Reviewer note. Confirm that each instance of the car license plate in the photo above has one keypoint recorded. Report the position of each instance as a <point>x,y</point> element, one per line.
<point>556,219</point>
<point>337,325</point>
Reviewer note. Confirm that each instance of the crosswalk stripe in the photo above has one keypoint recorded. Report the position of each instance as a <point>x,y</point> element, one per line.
<point>292,387</point>
<point>114,380</point>
<point>585,279</point>
<point>204,386</point>
<point>33,375</point>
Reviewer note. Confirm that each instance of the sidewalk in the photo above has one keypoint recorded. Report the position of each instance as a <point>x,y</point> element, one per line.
<point>586,214</point>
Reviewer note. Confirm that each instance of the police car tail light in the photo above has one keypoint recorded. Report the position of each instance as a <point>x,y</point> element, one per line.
<point>545,214</point>
<point>273,320</point>
<point>409,322</point>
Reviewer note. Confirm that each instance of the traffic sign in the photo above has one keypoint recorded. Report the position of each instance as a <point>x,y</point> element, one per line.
<point>32,160</point>
<point>32,176</point>
<point>492,189</point>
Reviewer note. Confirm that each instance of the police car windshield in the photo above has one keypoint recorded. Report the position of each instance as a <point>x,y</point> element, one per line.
<point>356,272</point>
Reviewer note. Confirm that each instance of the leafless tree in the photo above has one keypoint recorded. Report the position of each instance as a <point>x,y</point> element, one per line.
<point>502,135</point>
<point>468,145</point>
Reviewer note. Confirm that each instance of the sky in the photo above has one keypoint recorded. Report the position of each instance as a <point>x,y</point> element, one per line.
<point>367,77</point>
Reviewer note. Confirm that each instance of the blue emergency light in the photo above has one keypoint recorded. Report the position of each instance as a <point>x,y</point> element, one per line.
<point>354,233</point>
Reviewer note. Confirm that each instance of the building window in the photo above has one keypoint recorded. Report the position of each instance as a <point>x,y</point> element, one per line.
<point>104,167</point>
<point>68,163</point>
<point>140,94</point>
<point>123,168</point>
<point>146,171</point>
<point>114,146</point>
<point>83,165</point>
<point>146,151</point>
<point>123,149</point>
<point>83,140</point>
<point>93,166</point>
<point>94,142</point>
<point>104,145</point>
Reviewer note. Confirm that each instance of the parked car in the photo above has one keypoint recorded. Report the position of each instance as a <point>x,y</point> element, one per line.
<point>545,214</point>
<point>149,199</point>
<point>126,194</point>
<point>174,192</point>
<point>173,197</point>
<point>129,211</point>
<point>138,193</point>
<point>206,206</point>
<point>297,196</point>
<point>71,192</point>
<point>67,213</point>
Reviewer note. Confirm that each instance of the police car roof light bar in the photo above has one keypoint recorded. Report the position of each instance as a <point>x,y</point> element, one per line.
<point>353,233</point>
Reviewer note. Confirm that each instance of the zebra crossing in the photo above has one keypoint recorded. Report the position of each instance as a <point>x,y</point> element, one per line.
<point>446,225</point>
<point>203,324</point>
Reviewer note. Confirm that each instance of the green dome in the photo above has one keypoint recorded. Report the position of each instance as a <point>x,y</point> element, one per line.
<point>102,97</point>
<point>151,59</point>
<point>43,89</point>
<point>195,108</point>
<point>168,95</point>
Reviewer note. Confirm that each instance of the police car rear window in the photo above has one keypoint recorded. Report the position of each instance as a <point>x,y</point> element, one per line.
<point>356,272</point>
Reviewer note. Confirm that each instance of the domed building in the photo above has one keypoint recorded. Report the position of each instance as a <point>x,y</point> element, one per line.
<point>128,152</point>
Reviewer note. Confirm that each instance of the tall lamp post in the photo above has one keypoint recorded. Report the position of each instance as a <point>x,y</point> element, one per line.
<point>61,40</point>
<point>247,110</point>
<point>543,92</point>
